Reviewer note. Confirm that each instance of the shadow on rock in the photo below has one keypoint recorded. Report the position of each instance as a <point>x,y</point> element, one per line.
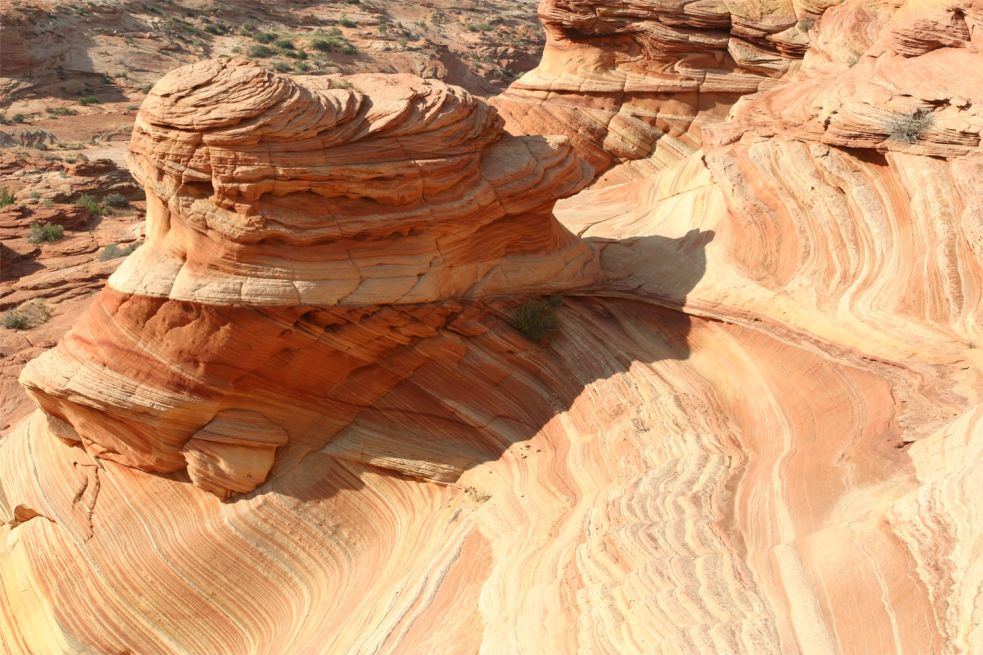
<point>499,389</point>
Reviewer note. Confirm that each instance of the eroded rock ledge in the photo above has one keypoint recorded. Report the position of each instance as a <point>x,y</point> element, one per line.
<point>269,190</point>
<point>302,236</point>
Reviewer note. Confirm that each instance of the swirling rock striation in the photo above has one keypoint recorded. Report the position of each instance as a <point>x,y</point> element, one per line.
<point>639,80</point>
<point>758,429</point>
<point>300,240</point>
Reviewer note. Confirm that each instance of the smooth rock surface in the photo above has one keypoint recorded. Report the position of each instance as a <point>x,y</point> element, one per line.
<point>757,429</point>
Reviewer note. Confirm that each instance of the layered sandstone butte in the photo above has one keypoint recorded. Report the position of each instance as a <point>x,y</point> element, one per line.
<point>638,80</point>
<point>294,233</point>
<point>757,430</point>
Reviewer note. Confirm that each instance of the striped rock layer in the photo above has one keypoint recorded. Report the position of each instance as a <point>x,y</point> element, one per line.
<point>639,80</point>
<point>301,239</point>
<point>759,430</point>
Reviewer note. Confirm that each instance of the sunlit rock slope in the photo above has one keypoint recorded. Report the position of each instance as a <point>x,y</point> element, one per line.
<point>756,430</point>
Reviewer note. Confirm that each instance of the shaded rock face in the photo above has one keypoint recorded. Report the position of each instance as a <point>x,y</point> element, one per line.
<point>628,81</point>
<point>294,232</point>
<point>758,429</point>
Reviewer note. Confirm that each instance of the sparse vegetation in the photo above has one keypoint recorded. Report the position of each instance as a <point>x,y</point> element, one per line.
<point>345,21</point>
<point>61,111</point>
<point>260,51</point>
<point>89,201</point>
<point>805,24</point>
<point>536,320</point>
<point>909,128</point>
<point>264,37</point>
<point>6,198</point>
<point>284,44</point>
<point>115,251</point>
<point>14,320</point>
<point>20,118</point>
<point>88,100</point>
<point>477,27</point>
<point>116,200</point>
<point>46,233</point>
<point>30,314</point>
<point>281,67</point>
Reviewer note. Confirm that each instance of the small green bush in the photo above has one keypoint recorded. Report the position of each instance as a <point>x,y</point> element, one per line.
<point>6,198</point>
<point>265,37</point>
<point>910,128</point>
<point>115,251</point>
<point>19,118</point>
<point>345,21</point>
<point>46,233</point>
<point>29,314</point>
<point>303,66</point>
<point>281,67</point>
<point>805,24</point>
<point>61,111</point>
<point>116,200</point>
<point>284,44</point>
<point>260,51</point>
<point>349,49</point>
<point>89,201</point>
<point>535,319</point>
<point>478,27</point>
<point>15,321</point>
<point>88,100</point>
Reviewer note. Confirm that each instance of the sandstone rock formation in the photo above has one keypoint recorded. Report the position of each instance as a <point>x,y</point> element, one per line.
<point>288,225</point>
<point>757,430</point>
<point>631,81</point>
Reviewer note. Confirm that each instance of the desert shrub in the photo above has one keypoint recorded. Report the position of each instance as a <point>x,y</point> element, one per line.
<point>265,37</point>
<point>339,84</point>
<point>19,118</point>
<point>345,21</point>
<point>61,111</point>
<point>284,44</point>
<point>324,45</point>
<point>115,251</point>
<point>15,321</point>
<point>805,24</point>
<point>35,196</point>
<point>6,198</point>
<point>909,128</point>
<point>89,201</point>
<point>88,100</point>
<point>349,49</point>
<point>478,27</point>
<point>303,66</point>
<point>116,200</point>
<point>30,314</point>
<point>281,67</point>
<point>47,232</point>
<point>535,319</point>
<point>260,51</point>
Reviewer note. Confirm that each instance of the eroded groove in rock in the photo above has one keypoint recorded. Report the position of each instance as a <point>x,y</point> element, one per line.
<point>756,429</point>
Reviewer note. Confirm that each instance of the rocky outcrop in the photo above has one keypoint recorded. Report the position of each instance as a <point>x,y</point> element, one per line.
<point>294,231</point>
<point>640,80</point>
<point>757,429</point>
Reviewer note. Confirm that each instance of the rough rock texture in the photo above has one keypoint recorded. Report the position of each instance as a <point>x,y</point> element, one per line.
<point>757,431</point>
<point>293,231</point>
<point>636,80</point>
